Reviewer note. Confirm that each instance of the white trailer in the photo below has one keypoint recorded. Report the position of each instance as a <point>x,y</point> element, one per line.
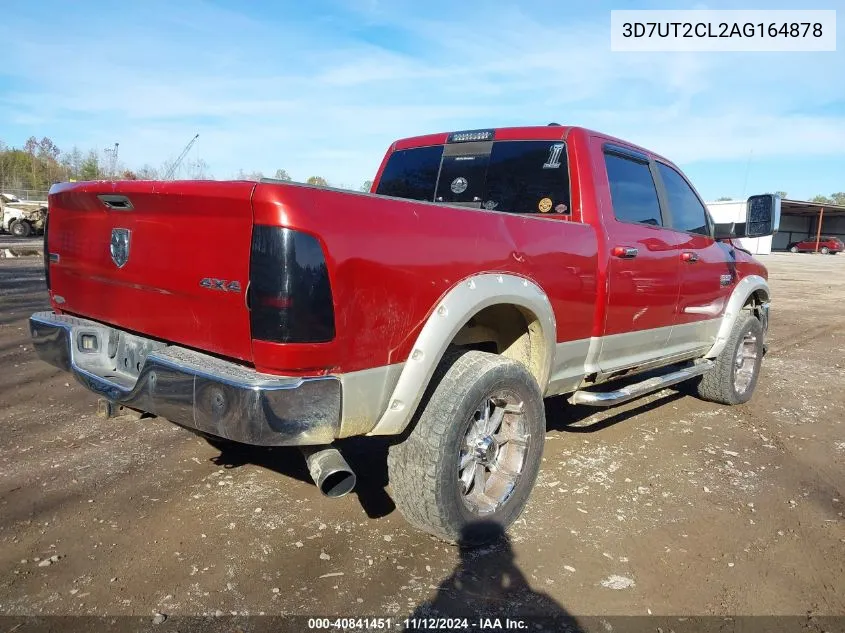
<point>735,211</point>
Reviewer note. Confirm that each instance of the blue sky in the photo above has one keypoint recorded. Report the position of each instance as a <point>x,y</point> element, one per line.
<point>322,88</point>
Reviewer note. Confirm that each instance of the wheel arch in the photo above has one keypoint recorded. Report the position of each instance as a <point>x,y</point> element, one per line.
<point>480,298</point>
<point>750,291</point>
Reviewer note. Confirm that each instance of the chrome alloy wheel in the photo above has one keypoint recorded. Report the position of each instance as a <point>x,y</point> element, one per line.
<point>745,363</point>
<point>493,453</point>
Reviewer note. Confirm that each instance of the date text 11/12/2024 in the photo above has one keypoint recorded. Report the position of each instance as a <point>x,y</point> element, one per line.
<point>418,624</point>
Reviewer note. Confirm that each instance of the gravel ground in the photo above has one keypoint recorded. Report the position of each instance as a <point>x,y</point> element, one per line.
<point>668,505</point>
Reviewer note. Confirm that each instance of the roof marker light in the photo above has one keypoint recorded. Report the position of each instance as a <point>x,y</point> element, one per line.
<point>471,135</point>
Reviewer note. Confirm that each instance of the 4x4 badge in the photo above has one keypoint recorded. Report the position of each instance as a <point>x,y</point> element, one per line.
<point>220,284</point>
<point>119,247</point>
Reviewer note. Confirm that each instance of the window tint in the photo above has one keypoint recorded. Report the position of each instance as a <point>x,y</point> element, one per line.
<point>510,176</point>
<point>688,214</point>
<point>528,177</point>
<point>411,173</point>
<point>632,191</point>
<point>462,179</point>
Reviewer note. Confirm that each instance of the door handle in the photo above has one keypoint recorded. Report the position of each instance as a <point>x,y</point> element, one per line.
<point>689,257</point>
<point>624,252</point>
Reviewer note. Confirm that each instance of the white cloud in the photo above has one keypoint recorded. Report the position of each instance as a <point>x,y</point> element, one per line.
<point>316,99</point>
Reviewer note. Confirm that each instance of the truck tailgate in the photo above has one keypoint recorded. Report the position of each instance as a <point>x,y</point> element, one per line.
<point>186,247</point>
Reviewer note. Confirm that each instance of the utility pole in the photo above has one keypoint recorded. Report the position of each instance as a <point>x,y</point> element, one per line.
<point>112,154</point>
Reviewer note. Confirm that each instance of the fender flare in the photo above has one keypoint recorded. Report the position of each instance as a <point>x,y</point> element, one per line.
<point>744,289</point>
<point>464,300</point>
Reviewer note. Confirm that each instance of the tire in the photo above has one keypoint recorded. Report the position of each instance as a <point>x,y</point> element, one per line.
<point>794,249</point>
<point>19,228</point>
<point>424,469</point>
<point>722,384</point>
<point>824,250</point>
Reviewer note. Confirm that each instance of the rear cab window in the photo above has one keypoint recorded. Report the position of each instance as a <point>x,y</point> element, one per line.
<point>508,176</point>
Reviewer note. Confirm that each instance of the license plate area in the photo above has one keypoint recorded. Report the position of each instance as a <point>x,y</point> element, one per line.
<point>111,353</point>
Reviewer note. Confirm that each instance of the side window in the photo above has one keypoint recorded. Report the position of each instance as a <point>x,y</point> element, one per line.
<point>688,214</point>
<point>632,191</point>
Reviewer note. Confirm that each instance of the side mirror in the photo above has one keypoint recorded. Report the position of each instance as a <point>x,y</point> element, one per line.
<point>762,216</point>
<point>725,231</point>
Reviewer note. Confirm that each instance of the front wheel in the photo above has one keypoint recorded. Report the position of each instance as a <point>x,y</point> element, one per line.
<point>465,471</point>
<point>794,249</point>
<point>19,228</point>
<point>734,375</point>
<point>825,250</point>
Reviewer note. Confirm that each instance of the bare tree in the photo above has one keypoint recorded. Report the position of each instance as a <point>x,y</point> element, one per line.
<point>197,170</point>
<point>30,148</point>
<point>72,163</point>
<point>147,172</point>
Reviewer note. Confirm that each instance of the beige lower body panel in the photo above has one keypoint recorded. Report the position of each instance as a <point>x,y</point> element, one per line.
<point>623,351</point>
<point>365,396</point>
<point>366,393</point>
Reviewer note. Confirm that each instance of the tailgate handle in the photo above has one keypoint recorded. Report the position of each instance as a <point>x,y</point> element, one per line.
<point>112,201</point>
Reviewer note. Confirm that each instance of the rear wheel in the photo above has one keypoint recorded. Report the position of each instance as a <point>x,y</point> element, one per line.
<point>19,228</point>
<point>734,376</point>
<point>466,469</point>
<point>794,249</point>
<point>825,250</point>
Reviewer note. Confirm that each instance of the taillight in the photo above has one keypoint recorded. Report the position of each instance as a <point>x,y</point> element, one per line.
<point>46,253</point>
<point>290,298</point>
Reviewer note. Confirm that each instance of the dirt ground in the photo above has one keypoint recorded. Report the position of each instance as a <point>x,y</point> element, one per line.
<point>669,505</point>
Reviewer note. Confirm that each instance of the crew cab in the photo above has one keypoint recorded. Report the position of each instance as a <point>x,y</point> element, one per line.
<point>484,271</point>
<point>826,244</point>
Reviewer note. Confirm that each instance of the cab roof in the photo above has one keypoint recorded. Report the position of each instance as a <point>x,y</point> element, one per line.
<point>552,131</point>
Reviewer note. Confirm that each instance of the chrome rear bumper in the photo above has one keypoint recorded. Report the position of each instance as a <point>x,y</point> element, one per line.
<point>189,388</point>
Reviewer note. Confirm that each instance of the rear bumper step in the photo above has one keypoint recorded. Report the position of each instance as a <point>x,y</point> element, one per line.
<point>189,388</point>
<point>610,398</point>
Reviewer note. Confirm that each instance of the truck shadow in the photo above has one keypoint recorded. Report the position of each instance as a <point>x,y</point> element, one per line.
<point>568,418</point>
<point>366,456</point>
<point>487,585</point>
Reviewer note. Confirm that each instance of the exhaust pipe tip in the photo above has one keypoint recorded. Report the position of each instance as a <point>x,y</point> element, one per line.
<point>338,484</point>
<point>330,472</point>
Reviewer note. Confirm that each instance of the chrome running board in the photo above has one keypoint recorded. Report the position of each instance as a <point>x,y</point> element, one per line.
<point>610,398</point>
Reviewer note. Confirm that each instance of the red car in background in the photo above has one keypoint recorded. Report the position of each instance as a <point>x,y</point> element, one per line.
<point>827,244</point>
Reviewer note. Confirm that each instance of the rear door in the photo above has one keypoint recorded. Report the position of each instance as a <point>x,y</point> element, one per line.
<point>169,260</point>
<point>708,267</point>
<point>643,273</point>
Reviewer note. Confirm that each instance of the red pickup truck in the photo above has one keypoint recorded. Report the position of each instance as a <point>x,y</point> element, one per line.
<point>486,270</point>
